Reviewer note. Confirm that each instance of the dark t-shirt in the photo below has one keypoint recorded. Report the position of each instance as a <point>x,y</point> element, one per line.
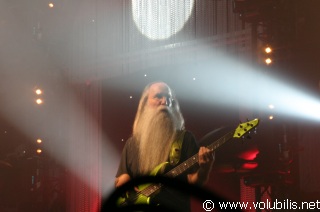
<point>169,197</point>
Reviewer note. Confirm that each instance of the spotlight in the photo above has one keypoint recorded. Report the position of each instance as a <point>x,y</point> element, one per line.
<point>268,61</point>
<point>271,106</point>
<point>38,91</point>
<point>145,12</point>
<point>39,101</point>
<point>268,50</point>
<point>39,151</point>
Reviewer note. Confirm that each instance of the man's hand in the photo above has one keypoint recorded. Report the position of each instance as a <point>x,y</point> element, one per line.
<point>122,179</point>
<point>206,158</point>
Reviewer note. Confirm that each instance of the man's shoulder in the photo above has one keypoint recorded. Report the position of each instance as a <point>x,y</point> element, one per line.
<point>189,139</point>
<point>131,141</point>
<point>188,135</point>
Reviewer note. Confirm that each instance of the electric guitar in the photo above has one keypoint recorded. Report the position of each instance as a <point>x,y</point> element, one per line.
<point>147,190</point>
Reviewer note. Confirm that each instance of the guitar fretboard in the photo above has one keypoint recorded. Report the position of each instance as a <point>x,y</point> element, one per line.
<point>195,158</point>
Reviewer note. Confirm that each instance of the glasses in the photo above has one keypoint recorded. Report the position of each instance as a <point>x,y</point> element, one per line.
<point>169,100</point>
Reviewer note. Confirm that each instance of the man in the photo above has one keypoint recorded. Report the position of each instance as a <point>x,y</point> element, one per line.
<point>159,126</point>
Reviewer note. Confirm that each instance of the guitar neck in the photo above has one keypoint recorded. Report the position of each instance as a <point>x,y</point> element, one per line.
<point>195,158</point>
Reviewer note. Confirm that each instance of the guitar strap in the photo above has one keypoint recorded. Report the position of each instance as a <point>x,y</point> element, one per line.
<point>175,152</point>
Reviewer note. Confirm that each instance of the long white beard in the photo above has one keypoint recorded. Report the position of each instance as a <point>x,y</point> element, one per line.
<point>156,131</point>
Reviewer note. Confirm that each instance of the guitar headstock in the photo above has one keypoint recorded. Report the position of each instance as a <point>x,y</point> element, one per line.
<point>245,128</point>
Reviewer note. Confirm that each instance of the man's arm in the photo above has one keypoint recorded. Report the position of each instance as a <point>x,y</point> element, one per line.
<point>122,179</point>
<point>206,160</point>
